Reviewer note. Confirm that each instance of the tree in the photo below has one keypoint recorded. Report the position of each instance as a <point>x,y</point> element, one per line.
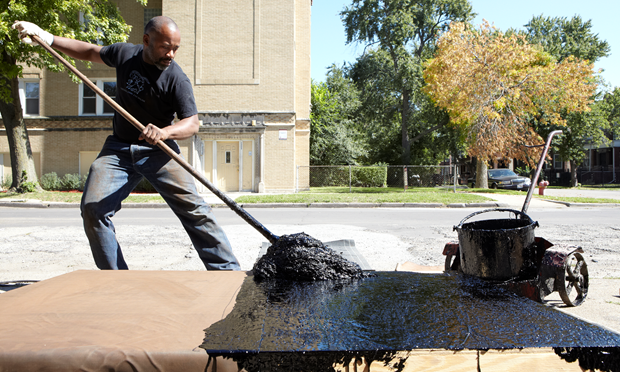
<point>380,115</point>
<point>406,31</point>
<point>101,21</point>
<point>493,84</point>
<point>586,128</point>
<point>564,38</point>
<point>334,139</point>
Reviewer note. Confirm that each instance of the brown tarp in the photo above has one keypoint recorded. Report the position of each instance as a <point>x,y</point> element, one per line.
<point>116,321</point>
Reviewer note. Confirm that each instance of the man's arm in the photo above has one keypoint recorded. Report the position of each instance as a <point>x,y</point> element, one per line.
<point>181,130</point>
<point>78,49</point>
<point>73,48</point>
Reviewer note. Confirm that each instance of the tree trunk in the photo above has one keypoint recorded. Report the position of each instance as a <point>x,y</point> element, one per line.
<point>482,179</point>
<point>573,174</point>
<point>22,162</point>
<point>406,144</point>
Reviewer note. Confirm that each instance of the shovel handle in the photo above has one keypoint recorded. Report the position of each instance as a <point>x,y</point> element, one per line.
<point>162,145</point>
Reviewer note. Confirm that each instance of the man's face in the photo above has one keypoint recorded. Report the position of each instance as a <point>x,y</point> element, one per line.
<point>161,47</point>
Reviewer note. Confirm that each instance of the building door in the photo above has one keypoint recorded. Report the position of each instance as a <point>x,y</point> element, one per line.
<point>228,166</point>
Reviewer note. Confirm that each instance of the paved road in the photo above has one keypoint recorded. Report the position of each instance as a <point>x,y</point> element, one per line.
<point>395,220</point>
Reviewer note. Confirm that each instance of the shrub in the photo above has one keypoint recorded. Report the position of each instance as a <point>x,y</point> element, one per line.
<point>83,182</point>
<point>50,182</point>
<point>6,183</point>
<point>70,182</point>
<point>329,176</point>
<point>369,176</point>
<point>25,185</point>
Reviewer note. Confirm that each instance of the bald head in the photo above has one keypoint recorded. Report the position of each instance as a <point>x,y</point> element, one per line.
<point>161,40</point>
<point>157,24</point>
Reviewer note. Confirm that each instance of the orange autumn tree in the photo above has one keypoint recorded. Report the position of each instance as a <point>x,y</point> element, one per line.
<point>492,84</point>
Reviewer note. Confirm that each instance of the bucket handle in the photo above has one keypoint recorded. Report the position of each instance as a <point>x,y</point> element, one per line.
<point>522,214</point>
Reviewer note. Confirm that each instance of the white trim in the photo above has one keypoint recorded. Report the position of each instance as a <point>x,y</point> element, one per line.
<point>240,169</point>
<point>261,164</point>
<point>253,166</point>
<point>214,174</point>
<point>197,159</point>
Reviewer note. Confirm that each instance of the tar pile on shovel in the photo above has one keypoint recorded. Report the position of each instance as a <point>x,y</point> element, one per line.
<point>300,257</point>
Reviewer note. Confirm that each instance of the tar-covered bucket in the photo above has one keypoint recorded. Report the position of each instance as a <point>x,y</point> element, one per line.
<point>494,249</point>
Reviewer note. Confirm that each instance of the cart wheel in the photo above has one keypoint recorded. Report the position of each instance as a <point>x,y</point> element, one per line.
<point>453,263</point>
<point>575,279</point>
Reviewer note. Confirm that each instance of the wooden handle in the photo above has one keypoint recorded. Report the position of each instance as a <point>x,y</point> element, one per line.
<point>162,145</point>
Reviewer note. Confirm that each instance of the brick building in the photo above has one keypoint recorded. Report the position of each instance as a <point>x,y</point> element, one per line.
<point>249,62</point>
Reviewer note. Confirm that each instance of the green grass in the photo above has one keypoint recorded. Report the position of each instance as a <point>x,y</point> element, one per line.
<point>443,195</point>
<point>75,197</point>
<point>367,195</point>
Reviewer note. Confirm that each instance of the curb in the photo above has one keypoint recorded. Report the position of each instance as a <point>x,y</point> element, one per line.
<point>569,204</point>
<point>40,204</point>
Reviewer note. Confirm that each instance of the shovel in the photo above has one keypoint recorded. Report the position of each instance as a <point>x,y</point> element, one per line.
<point>162,145</point>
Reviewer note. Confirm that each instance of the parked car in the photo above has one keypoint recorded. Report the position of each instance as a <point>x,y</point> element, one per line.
<point>505,179</point>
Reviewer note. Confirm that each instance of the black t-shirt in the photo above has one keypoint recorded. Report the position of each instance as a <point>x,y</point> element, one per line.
<point>147,93</point>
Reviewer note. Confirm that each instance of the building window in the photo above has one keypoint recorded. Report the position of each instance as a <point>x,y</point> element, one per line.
<point>557,162</point>
<point>84,22</point>
<point>29,96</point>
<point>228,157</point>
<point>150,13</point>
<point>92,104</point>
<point>32,98</point>
<point>586,161</point>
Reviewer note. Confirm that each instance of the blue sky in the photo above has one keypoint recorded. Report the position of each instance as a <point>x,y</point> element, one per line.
<point>328,37</point>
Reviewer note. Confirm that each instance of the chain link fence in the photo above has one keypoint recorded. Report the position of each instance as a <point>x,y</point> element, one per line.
<point>597,175</point>
<point>402,176</point>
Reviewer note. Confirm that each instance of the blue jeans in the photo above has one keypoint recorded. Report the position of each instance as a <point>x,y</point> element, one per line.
<point>116,172</point>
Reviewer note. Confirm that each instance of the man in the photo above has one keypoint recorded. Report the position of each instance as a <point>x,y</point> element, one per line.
<point>152,88</point>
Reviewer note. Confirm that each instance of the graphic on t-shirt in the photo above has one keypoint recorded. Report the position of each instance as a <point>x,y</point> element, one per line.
<point>135,83</point>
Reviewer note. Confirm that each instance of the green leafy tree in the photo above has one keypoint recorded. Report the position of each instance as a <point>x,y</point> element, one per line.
<point>565,38</point>
<point>612,104</point>
<point>334,138</point>
<point>562,37</point>
<point>405,31</point>
<point>584,128</point>
<point>101,21</point>
<point>381,115</point>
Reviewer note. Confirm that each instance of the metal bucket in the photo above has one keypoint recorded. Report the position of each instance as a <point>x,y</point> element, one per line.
<point>494,249</point>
